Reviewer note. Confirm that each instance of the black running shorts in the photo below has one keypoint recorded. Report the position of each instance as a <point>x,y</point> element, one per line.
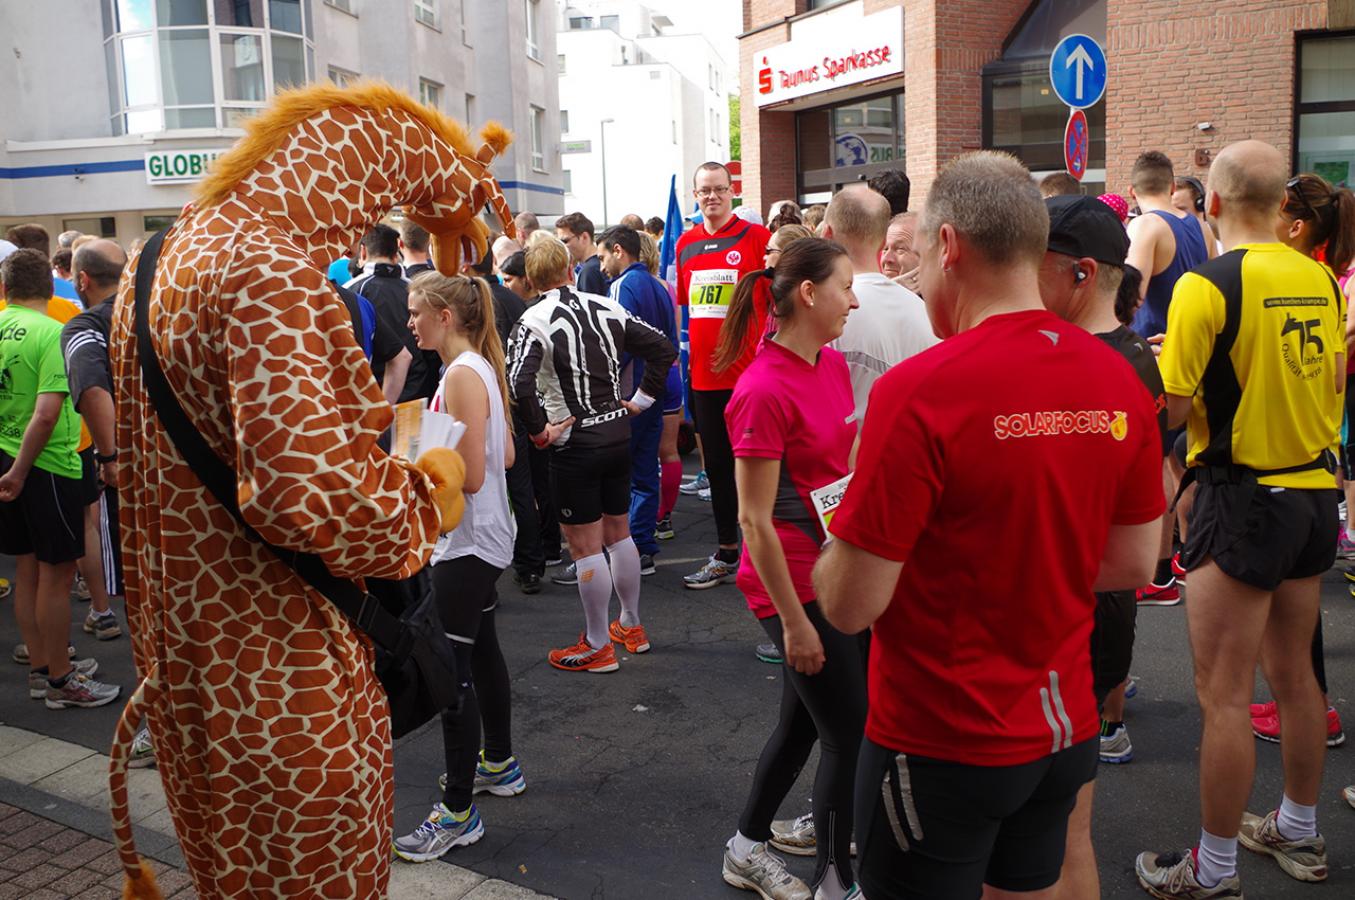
<point>929,829</point>
<point>1262,535</point>
<point>589,483</point>
<point>47,519</point>
<point>1112,641</point>
<point>89,480</point>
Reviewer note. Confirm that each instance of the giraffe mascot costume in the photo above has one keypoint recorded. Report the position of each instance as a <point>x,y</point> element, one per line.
<point>270,729</point>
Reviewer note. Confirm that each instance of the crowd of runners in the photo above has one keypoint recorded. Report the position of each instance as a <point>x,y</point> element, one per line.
<point>1158,382</point>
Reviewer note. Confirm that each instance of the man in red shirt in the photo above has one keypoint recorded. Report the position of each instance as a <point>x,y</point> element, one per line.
<point>982,725</point>
<point>711,258</point>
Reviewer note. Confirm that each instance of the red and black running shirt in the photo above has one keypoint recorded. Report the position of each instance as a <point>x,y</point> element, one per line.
<point>709,267</point>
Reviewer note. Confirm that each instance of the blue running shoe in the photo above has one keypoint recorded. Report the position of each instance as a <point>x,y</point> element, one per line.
<point>503,779</point>
<point>1131,689</point>
<point>440,832</point>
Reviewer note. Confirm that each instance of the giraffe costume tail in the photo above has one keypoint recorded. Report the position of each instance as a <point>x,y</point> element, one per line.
<point>139,883</point>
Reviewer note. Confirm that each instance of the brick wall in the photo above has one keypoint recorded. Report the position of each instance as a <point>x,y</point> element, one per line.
<point>1174,65</point>
<point>946,45</point>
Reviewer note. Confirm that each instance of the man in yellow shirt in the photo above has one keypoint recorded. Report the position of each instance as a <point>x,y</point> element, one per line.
<point>1254,364</point>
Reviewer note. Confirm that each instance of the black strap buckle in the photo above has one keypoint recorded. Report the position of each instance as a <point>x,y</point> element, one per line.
<point>366,614</point>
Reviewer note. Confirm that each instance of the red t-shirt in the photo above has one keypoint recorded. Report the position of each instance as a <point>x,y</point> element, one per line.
<point>993,466</point>
<point>784,408</point>
<point>709,267</point>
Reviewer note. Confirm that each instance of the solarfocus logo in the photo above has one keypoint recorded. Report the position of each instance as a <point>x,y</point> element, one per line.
<point>1055,423</point>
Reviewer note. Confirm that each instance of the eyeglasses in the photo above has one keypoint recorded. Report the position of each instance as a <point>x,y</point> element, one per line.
<point>1293,187</point>
<point>713,192</point>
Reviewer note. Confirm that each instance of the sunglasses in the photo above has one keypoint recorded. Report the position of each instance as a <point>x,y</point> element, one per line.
<point>1293,186</point>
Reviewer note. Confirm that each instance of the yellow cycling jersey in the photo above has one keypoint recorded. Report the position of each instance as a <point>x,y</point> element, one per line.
<point>1257,338</point>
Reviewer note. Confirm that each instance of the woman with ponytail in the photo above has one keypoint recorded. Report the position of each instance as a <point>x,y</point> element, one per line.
<point>455,318</point>
<point>790,420</point>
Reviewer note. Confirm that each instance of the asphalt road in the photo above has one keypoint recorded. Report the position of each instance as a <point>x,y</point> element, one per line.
<point>636,778</point>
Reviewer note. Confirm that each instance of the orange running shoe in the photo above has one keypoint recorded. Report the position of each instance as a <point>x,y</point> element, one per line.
<point>583,658</point>
<point>634,639</point>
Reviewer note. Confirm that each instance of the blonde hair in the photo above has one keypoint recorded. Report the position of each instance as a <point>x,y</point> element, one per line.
<point>789,234</point>
<point>470,300</point>
<point>649,252</point>
<point>547,261</point>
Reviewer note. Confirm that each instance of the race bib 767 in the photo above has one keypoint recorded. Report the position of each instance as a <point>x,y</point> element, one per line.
<point>710,293</point>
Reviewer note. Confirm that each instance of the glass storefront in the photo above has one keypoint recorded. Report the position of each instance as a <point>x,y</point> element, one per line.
<point>1324,135</point>
<point>849,142</point>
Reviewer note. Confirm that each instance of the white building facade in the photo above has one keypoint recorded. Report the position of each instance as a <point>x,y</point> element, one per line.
<point>108,135</point>
<point>653,101</point>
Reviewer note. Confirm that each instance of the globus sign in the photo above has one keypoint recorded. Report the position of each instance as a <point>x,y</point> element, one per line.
<point>178,166</point>
<point>833,52</point>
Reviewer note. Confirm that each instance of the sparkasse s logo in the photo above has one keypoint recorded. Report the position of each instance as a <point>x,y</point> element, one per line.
<point>733,257</point>
<point>764,78</point>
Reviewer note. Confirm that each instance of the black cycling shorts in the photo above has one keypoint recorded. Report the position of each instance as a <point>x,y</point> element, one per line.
<point>1262,535</point>
<point>1112,641</point>
<point>589,483</point>
<point>963,826</point>
<point>47,519</point>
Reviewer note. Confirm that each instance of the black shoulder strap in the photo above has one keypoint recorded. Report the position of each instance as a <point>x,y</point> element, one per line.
<point>363,609</point>
<point>1220,387</point>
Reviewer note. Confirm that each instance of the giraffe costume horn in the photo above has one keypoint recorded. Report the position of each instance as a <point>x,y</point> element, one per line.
<point>139,883</point>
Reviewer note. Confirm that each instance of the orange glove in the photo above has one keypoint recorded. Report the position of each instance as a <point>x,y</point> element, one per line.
<point>446,469</point>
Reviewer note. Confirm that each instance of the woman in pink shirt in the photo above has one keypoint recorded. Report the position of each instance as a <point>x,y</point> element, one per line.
<point>792,425</point>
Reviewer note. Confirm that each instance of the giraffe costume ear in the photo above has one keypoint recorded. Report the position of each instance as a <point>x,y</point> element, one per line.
<point>457,235</point>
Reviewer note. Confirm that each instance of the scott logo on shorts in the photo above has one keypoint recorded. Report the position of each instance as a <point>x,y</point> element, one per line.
<point>733,257</point>
<point>1053,423</point>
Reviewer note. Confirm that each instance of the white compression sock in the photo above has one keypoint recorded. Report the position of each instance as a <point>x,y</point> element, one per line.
<point>595,591</point>
<point>830,888</point>
<point>626,579</point>
<point>1217,859</point>
<point>1296,821</point>
<point>741,847</point>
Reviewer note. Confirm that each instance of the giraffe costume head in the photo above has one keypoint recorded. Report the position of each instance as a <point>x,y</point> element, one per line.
<point>335,160</point>
<point>270,730</point>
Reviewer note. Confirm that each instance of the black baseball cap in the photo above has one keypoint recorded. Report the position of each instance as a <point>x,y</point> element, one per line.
<point>1084,226</point>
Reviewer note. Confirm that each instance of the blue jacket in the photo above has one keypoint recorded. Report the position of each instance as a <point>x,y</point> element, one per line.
<point>647,298</point>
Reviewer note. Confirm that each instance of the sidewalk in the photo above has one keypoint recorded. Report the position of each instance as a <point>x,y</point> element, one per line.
<point>56,838</point>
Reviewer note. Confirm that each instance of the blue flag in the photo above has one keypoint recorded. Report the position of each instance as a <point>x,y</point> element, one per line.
<point>672,230</point>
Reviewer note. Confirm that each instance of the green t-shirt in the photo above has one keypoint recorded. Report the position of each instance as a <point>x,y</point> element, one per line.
<point>31,364</point>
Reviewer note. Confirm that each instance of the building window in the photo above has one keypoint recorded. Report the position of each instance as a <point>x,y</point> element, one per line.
<point>426,12</point>
<point>538,139</point>
<point>611,22</point>
<point>837,145</point>
<point>1021,113</point>
<point>348,6</point>
<point>675,131</point>
<point>152,224</point>
<point>564,121</point>
<point>533,46</point>
<point>430,93</point>
<point>560,63</point>
<point>465,29</point>
<point>342,77</point>
<point>182,64</point>
<point>1324,135</point>
<point>101,226</point>
<point>569,181</point>
<point>580,23</point>
<point>470,109</point>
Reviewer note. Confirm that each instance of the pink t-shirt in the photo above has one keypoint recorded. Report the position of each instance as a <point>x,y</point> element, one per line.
<point>784,408</point>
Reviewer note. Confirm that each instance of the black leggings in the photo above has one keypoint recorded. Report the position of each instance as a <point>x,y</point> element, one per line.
<point>708,410</point>
<point>829,707</point>
<point>466,599</point>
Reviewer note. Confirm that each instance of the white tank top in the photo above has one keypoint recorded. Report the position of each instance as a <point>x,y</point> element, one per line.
<point>487,528</point>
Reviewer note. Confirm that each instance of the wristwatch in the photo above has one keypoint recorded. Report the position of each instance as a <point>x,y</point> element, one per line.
<point>103,460</point>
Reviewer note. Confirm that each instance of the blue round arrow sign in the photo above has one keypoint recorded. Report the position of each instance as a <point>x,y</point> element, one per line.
<point>1077,70</point>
